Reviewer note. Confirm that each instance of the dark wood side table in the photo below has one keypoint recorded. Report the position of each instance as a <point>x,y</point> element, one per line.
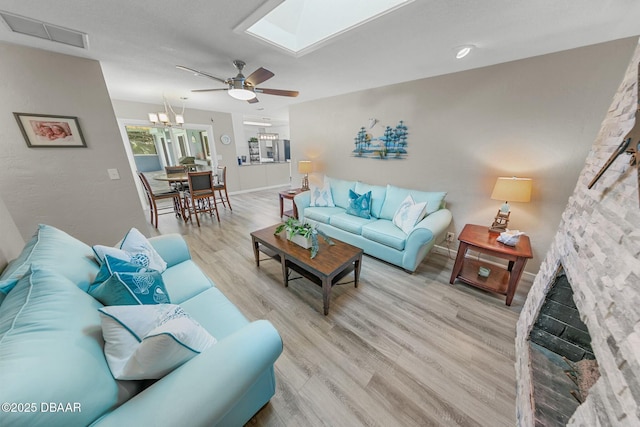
<point>289,195</point>
<point>500,280</point>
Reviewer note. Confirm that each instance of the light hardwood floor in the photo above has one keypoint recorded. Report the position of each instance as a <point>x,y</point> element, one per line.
<point>400,350</point>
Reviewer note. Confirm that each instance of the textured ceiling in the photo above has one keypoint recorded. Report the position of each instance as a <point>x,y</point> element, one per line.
<point>139,42</point>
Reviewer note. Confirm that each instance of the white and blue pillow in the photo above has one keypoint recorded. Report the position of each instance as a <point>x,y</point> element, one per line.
<point>408,214</point>
<point>149,341</point>
<point>134,248</point>
<point>132,288</point>
<point>321,196</point>
<point>359,204</point>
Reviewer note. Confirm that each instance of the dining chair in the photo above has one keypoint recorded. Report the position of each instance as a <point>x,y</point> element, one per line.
<point>221,186</point>
<point>153,197</point>
<point>200,196</point>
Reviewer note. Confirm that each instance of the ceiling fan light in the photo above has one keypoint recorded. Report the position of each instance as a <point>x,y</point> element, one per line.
<point>242,94</point>
<point>463,51</point>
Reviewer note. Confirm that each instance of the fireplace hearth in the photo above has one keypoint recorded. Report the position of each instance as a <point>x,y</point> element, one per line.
<point>563,365</point>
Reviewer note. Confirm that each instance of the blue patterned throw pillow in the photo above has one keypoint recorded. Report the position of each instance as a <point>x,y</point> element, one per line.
<point>116,265</point>
<point>133,288</point>
<point>359,204</point>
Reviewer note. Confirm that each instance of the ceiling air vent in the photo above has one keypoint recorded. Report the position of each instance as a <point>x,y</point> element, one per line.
<point>43,30</point>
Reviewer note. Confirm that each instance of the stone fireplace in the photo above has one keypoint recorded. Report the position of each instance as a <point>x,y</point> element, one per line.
<point>598,245</point>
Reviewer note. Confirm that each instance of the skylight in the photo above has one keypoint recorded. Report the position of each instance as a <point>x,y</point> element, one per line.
<point>300,26</point>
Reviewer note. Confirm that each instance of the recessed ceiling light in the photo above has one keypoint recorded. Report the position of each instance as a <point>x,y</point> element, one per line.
<point>462,51</point>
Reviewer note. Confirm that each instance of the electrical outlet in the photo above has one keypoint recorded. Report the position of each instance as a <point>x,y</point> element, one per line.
<point>450,237</point>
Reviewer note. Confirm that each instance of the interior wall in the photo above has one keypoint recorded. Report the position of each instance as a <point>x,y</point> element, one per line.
<point>68,188</point>
<point>533,118</point>
<point>12,242</point>
<point>220,122</point>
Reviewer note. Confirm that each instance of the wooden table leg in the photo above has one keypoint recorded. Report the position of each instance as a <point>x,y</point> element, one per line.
<point>326,294</point>
<point>457,266</point>
<point>281,205</point>
<point>514,278</point>
<point>356,270</point>
<point>256,252</point>
<point>285,272</point>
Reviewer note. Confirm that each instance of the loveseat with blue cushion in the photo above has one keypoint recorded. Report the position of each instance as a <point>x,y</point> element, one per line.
<point>377,235</point>
<point>53,370</point>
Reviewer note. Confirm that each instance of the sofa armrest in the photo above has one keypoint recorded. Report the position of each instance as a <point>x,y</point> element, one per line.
<point>203,390</point>
<point>302,201</point>
<point>172,248</point>
<point>438,222</point>
<point>423,237</point>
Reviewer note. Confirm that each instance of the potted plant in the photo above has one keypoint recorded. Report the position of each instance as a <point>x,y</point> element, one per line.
<point>303,234</point>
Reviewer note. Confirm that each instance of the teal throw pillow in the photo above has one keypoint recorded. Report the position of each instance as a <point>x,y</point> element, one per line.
<point>132,289</point>
<point>116,265</point>
<point>359,204</point>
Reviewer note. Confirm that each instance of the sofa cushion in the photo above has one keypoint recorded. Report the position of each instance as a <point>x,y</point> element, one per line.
<point>54,249</point>
<point>135,248</point>
<point>408,214</point>
<point>386,233</point>
<point>396,195</point>
<point>359,204</point>
<point>148,342</point>
<point>321,196</point>
<point>321,214</point>
<point>378,193</point>
<point>131,288</point>
<point>184,281</point>
<point>351,223</point>
<point>340,191</point>
<point>213,310</point>
<point>52,352</point>
<point>17,268</point>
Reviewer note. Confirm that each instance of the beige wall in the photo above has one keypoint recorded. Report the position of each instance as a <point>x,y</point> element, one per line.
<point>68,188</point>
<point>534,118</point>
<point>11,242</point>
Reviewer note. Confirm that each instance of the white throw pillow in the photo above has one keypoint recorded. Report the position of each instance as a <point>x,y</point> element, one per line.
<point>134,248</point>
<point>149,341</point>
<point>321,197</point>
<point>409,213</point>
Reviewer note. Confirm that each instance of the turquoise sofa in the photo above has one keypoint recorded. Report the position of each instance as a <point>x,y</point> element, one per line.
<point>53,370</point>
<point>378,236</point>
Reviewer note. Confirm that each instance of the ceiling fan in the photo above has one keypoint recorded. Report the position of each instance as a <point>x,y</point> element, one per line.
<point>241,87</point>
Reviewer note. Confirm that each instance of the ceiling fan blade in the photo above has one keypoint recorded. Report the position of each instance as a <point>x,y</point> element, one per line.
<point>200,73</point>
<point>207,90</point>
<point>253,100</point>
<point>278,92</point>
<point>258,76</point>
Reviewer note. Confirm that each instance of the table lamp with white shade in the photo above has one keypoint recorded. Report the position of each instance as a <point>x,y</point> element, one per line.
<point>510,190</point>
<point>304,167</point>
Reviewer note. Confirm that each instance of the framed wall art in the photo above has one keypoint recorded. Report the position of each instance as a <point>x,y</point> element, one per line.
<point>43,130</point>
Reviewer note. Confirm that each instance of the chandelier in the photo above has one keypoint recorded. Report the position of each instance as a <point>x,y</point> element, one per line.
<point>164,117</point>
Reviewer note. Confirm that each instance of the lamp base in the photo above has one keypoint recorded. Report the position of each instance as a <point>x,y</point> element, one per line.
<point>305,183</point>
<point>500,222</point>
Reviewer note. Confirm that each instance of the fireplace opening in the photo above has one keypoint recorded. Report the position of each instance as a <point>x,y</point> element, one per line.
<point>563,365</point>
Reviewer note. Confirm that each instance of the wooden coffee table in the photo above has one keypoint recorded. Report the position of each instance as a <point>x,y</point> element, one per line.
<point>332,263</point>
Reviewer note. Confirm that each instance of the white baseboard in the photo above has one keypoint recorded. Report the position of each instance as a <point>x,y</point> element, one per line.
<point>251,190</point>
<point>442,250</point>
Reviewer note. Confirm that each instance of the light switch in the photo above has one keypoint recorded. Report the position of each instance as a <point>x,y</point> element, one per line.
<point>219,156</point>
<point>113,173</point>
